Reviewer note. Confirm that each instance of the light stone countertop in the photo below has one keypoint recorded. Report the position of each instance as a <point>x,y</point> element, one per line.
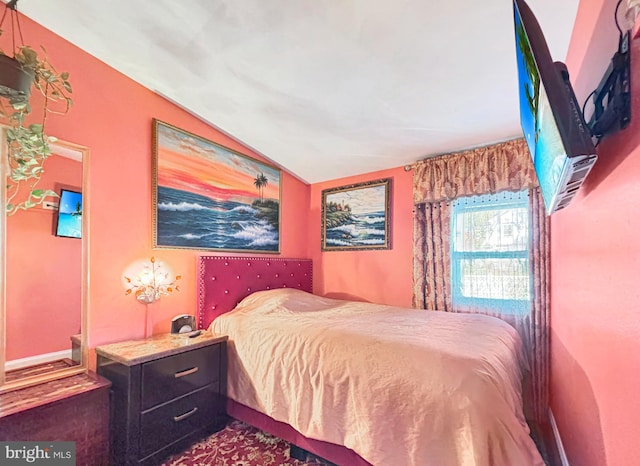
<point>134,352</point>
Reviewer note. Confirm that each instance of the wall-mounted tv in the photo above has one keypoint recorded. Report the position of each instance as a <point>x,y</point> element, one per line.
<point>558,138</point>
<point>69,217</point>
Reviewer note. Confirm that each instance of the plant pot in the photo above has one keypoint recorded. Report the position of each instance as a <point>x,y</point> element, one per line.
<point>15,81</point>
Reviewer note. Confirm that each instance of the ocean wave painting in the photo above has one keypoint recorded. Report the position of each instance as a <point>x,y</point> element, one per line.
<point>356,217</point>
<point>210,197</point>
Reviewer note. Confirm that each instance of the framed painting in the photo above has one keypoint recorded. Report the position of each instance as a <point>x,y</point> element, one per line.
<point>357,216</point>
<point>206,196</point>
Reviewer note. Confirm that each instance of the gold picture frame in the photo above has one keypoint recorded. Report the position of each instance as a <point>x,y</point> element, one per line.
<point>207,196</point>
<point>357,216</point>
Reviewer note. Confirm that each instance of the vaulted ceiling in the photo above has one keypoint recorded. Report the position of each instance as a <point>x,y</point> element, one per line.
<point>323,88</point>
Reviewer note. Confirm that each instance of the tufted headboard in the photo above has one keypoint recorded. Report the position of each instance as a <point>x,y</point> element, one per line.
<point>224,281</point>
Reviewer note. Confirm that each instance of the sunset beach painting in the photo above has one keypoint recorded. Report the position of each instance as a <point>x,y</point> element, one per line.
<point>207,196</point>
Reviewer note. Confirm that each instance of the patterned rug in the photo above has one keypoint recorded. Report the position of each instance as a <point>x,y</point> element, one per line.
<point>239,444</point>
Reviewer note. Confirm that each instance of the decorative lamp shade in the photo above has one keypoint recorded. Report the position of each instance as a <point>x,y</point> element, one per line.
<point>151,280</point>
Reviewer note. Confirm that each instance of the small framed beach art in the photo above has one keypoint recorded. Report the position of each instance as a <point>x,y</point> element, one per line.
<point>357,217</point>
<point>206,196</point>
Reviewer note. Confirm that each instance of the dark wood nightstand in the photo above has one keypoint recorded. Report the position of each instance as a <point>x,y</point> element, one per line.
<point>167,391</point>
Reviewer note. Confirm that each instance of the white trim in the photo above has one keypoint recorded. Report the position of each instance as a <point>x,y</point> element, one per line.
<point>556,434</point>
<point>38,359</point>
<point>72,153</point>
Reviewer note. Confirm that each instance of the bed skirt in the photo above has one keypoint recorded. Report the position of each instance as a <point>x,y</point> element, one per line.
<point>329,451</point>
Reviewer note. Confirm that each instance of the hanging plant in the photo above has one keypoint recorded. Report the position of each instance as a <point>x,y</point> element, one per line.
<point>28,145</point>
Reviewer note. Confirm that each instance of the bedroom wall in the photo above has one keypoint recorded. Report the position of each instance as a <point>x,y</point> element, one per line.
<point>112,116</point>
<point>379,276</point>
<point>595,258</point>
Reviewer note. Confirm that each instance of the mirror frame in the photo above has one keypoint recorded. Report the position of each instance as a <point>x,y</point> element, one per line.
<point>57,147</point>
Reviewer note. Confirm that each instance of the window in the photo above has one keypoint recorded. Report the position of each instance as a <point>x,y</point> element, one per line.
<point>490,253</point>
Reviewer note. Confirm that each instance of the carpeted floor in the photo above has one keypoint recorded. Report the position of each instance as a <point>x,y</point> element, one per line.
<point>239,444</point>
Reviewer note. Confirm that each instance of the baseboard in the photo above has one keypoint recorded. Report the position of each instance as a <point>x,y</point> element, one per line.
<point>39,359</point>
<point>556,435</point>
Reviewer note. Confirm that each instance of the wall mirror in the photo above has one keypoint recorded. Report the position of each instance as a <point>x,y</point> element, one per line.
<point>44,275</point>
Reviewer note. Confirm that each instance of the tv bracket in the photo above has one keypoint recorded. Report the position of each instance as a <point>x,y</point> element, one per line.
<point>612,97</point>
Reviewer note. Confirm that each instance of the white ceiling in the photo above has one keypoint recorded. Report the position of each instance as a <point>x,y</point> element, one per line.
<point>323,88</point>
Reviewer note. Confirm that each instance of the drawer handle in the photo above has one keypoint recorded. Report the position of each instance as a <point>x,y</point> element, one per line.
<point>185,415</point>
<point>193,370</point>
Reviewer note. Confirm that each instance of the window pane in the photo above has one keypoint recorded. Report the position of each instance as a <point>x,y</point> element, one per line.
<point>503,229</point>
<point>490,253</point>
<point>495,278</point>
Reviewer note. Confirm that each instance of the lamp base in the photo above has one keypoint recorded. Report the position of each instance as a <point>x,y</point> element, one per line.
<point>148,323</point>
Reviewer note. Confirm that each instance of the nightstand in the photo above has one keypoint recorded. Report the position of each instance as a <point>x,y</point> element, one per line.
<point>167,391</point>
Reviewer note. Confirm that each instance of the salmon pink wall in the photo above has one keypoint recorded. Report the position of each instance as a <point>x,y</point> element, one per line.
<point>380,276</point>
<point>595,259</point>
<point>43,273</point>
<point>112,116</point>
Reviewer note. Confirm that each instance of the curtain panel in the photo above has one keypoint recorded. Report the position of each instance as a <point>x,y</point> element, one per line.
<point>538,344</point>
<point>431,259</point>
<point>487,170</point>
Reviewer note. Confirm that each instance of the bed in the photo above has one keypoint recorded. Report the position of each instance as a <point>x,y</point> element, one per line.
<point>361,383</point>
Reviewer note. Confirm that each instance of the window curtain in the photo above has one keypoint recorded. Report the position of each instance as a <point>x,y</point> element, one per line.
<point>487,170</point>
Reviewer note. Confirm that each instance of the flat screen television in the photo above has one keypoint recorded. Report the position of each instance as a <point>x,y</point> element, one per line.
<point>557,135</point>
<point>69,217</point>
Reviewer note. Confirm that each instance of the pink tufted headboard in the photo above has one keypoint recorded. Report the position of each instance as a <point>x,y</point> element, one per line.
<point>224,281</point>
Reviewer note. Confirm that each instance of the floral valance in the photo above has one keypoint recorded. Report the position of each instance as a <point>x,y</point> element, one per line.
<point>505,166</point>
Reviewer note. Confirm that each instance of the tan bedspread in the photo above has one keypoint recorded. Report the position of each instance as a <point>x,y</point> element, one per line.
<point>398,386</point>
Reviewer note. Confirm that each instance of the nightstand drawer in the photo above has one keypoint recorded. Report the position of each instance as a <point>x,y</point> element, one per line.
<point>172,421</point>
<point>174,376</point>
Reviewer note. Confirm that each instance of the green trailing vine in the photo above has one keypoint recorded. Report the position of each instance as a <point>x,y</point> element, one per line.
<point>27,144</point>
